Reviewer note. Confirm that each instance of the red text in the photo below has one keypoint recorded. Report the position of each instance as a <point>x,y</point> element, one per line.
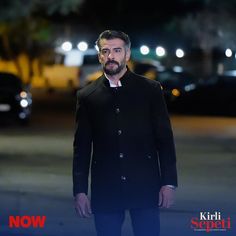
<point>27,221</point>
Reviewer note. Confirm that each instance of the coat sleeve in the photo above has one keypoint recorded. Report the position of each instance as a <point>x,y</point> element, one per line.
<point>81,148</point>
<point>163,137</point>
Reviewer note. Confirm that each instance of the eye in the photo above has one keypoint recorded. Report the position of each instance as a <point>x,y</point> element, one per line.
<point>118,50</point>
<point>105,51</point>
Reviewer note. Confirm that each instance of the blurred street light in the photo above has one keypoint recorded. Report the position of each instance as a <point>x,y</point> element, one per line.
<point>66,46</point>
<point>144,50</point>
<point>228,52</point>
<point>179,53</point>
<point>160,51</point>
<point>82,46</point>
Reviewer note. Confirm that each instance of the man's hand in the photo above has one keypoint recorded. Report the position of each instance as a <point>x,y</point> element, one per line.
<point>82,205</point>
<point>166,197</point>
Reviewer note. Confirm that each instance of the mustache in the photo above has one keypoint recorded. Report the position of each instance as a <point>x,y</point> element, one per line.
<point>112,62</point>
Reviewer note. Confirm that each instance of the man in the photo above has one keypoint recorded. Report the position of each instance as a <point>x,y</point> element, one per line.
<point>124,132</point>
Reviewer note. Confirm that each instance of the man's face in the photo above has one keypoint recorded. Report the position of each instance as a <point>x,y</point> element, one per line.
<point>113,56</point>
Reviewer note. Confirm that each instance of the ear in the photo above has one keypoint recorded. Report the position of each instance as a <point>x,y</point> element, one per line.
<point>99,58</point>
<point>128,54</point>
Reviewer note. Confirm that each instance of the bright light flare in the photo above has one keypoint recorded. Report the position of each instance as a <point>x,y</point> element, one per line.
<point>179,53</point>
<point>175,92</point>
<point>144,50</point>
<point>82,46</point>
<point>228,52</point>
<point>160,51</point>
<point>66,46</point>
<point>23,94</point>
<point>24,103</point>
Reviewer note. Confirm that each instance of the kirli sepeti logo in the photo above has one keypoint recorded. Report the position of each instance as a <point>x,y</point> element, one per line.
<point>211,221</point>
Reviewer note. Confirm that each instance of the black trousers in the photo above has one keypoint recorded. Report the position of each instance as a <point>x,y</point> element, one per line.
<point>145,222</point>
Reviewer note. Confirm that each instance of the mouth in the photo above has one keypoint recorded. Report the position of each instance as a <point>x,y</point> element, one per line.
<point>111,63</point>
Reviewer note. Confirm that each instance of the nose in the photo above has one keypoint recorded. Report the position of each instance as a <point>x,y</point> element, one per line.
<point>111,55</point>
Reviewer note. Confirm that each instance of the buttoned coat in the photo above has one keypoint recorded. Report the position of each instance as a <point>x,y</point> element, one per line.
<point>124,139</point>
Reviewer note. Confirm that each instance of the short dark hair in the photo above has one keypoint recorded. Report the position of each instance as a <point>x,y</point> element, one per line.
<point>113,34</point>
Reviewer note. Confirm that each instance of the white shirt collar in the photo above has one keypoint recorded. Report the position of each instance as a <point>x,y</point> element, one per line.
<point>112,84</point>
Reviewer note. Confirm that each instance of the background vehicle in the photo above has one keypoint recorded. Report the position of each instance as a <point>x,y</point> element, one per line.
<point>214,96</point>
<point>147,68</point>
<point>15,99</point>
<point>176,83</point>
<point>89,65</point>
<point>60,77</point>
<point>73,70</point>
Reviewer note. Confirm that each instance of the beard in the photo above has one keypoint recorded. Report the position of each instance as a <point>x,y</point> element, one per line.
<point>113,71</point>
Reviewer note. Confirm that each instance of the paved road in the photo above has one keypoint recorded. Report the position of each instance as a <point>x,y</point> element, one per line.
<point>35,172</point>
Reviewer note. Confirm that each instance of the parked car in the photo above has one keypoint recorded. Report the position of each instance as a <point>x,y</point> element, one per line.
<point>176,83</point>
<point>90,65</point>
<point>147,67</point>
<point>15,99</point>
<point>214,96</point>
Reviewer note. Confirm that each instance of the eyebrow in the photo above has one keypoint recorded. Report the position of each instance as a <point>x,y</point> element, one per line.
<point>111,48</point>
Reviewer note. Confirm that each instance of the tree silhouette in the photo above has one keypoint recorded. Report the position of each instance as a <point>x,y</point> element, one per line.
<point>26,27</point>
<point>213,27</point>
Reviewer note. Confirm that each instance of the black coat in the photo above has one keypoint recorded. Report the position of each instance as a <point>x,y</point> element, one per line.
<point>127,132</point>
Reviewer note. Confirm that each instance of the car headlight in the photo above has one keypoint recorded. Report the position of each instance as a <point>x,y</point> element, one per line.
<point>175,92</point>
<point>23,94</point>
<point>189,87</point>
<point>24,99</point>
<point>24,103</point>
